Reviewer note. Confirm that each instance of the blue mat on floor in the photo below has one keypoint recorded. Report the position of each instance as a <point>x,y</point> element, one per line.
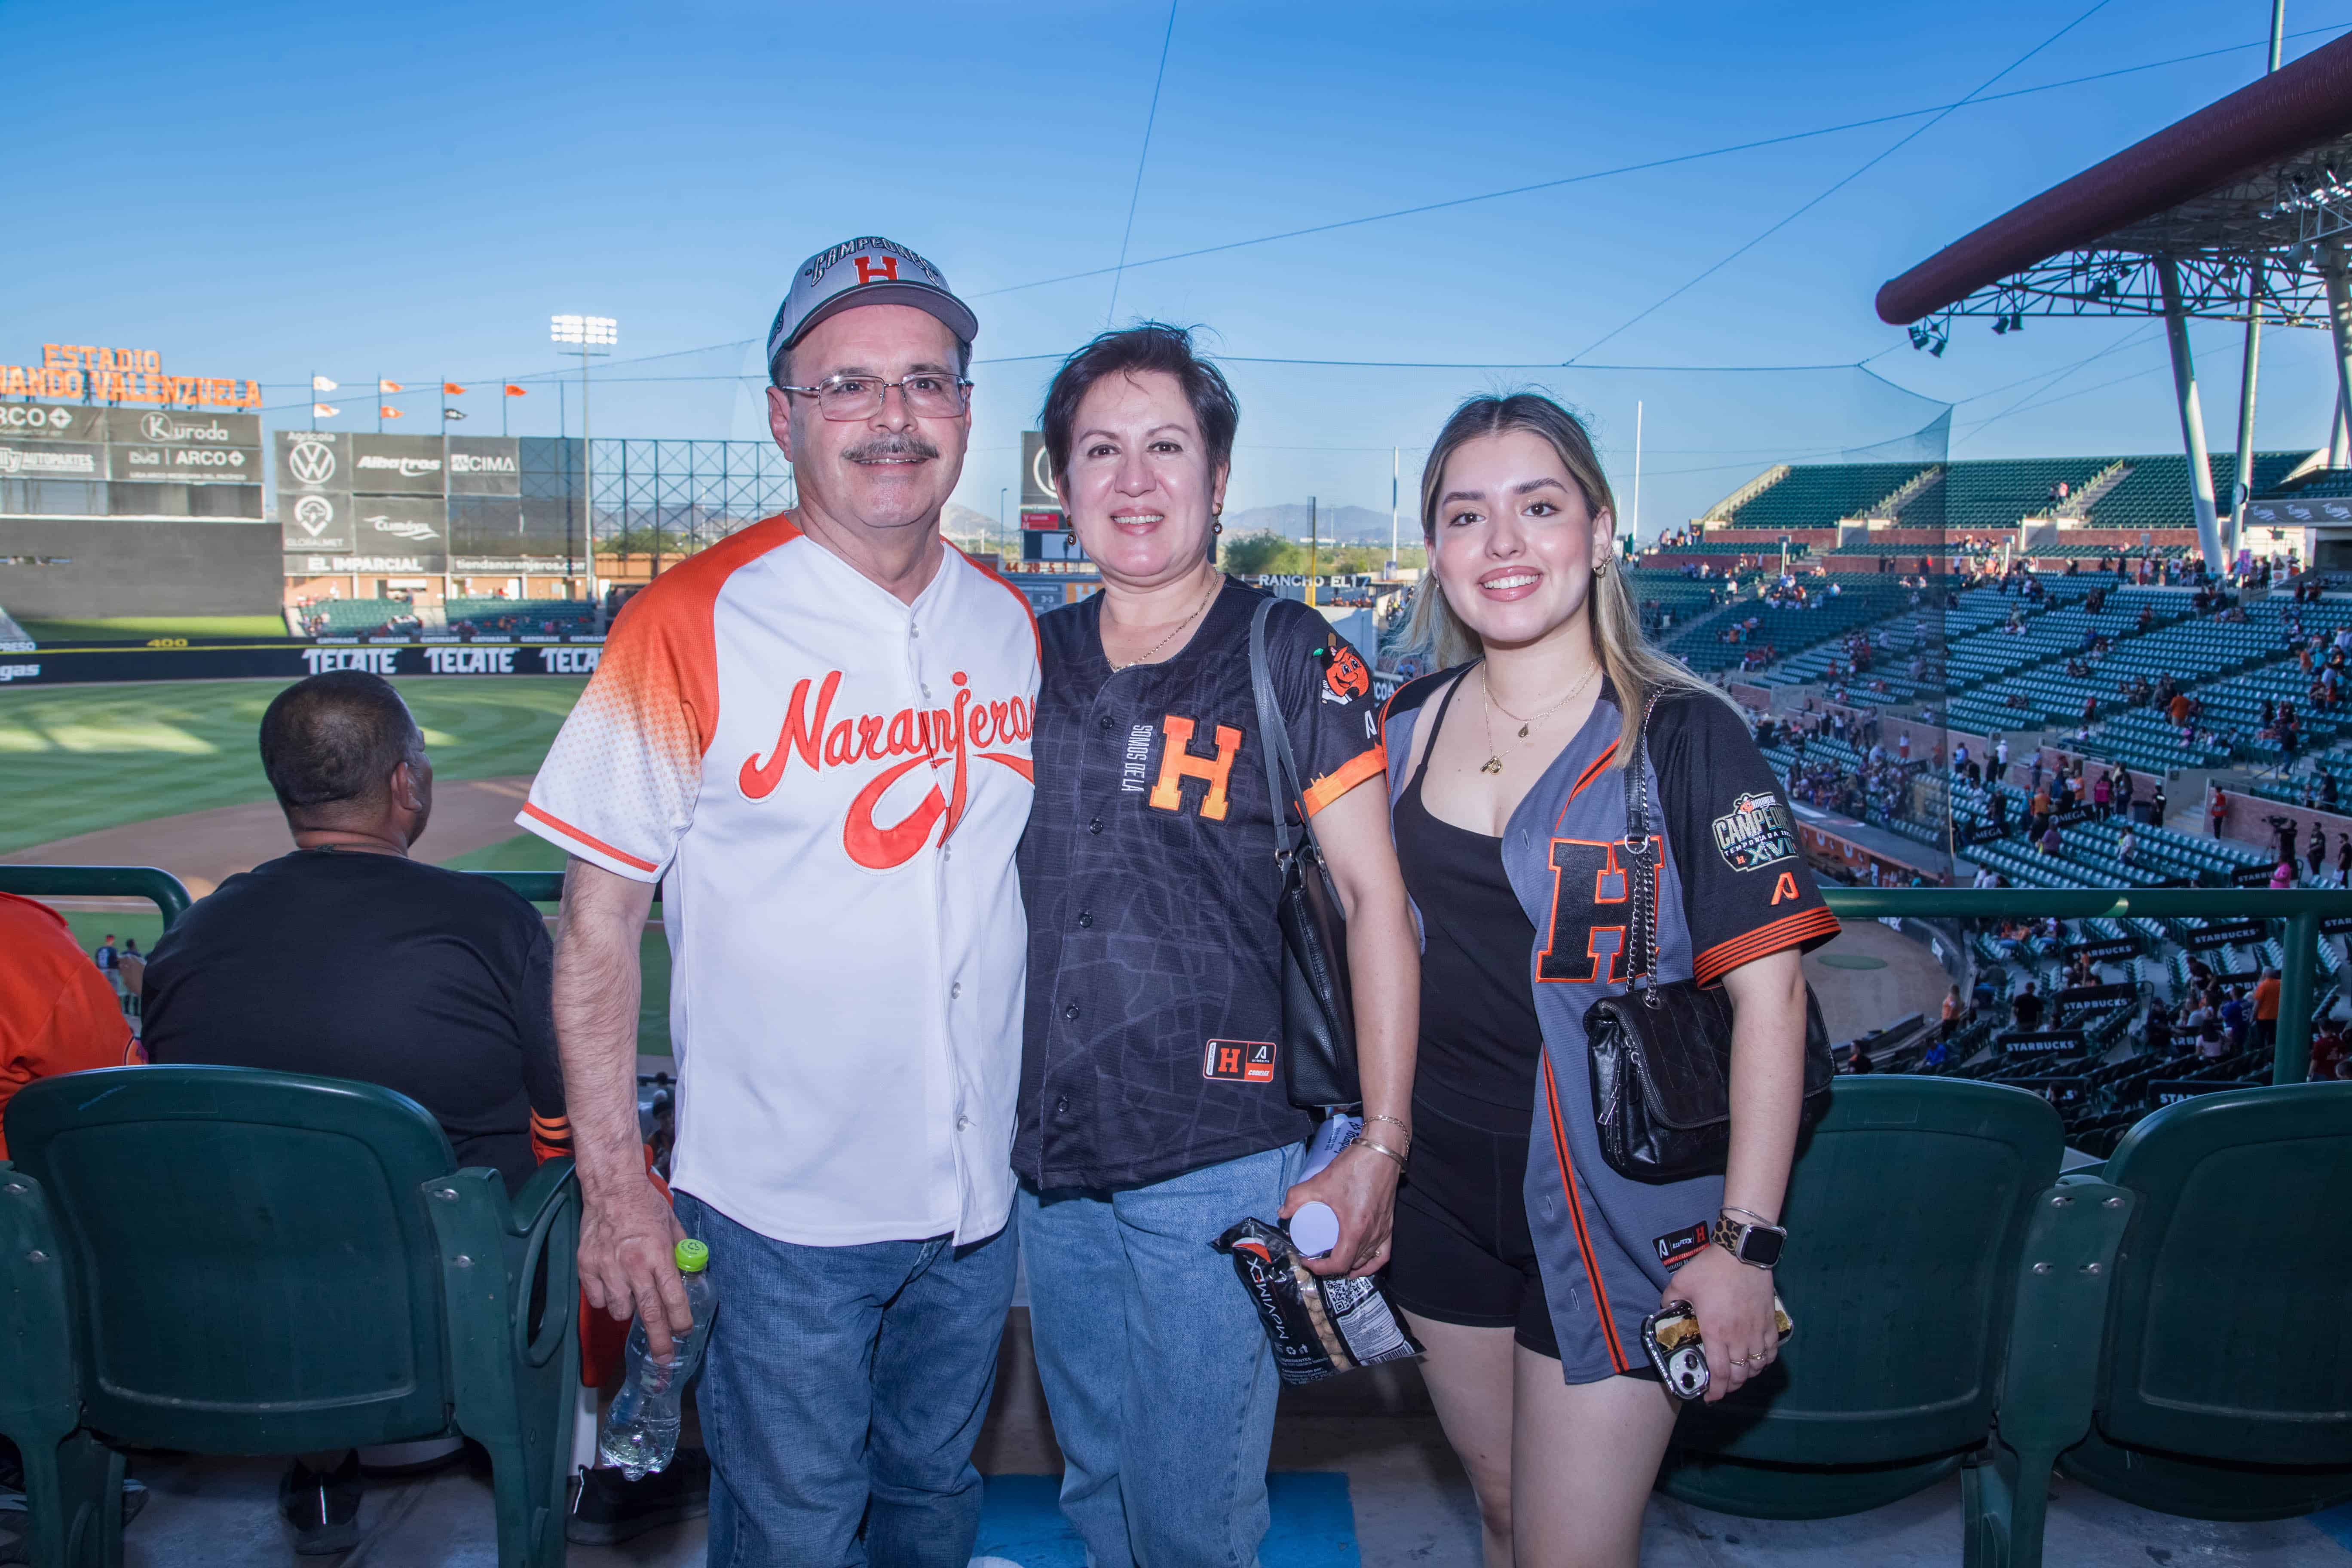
<point>1314,1525</point>
<point>2337,1523</point>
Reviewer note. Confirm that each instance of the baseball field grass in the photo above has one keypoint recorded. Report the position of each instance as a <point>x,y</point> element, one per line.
<point>75,759</point>
<point>118,628</point>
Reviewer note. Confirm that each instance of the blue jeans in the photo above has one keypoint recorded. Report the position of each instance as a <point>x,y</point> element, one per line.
<point>1156,1368</point>
<point>846,1384</point>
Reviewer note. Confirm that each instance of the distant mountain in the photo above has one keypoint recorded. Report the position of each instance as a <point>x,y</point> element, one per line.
<point>958,520</point>
<point>1348,524</point>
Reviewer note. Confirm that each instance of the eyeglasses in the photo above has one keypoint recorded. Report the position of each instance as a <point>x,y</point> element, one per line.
<point>928,394</point>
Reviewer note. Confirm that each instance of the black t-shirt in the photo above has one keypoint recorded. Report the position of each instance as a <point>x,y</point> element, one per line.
<point>348,964</point>
<point>1152,1037</point>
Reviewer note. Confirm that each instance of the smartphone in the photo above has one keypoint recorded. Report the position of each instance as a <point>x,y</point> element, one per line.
<point>1670,1338</point>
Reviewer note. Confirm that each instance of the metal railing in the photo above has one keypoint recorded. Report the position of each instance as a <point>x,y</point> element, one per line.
<point>158,886</point>
<point>2298,912</point>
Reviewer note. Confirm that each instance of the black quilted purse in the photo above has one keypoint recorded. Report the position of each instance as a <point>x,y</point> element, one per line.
<point>1319,1018</point>
<point>1661,1054</point>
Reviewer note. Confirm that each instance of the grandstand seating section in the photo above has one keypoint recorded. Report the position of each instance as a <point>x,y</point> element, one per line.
<point>526,615</point>
<point>356,618</point>
<point>1991,497</point>
<point>1818,495</point>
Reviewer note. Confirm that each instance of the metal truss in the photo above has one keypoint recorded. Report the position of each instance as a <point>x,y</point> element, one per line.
<point>2254,247</point>
<point>695,492</point>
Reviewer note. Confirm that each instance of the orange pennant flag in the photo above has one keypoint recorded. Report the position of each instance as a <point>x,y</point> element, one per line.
<point>390,412</point>
<point>514,390</point>
<point>453,389</point>
<point>387,387</point>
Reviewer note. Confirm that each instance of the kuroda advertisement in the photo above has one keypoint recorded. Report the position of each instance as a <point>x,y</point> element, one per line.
<point>451,657</point>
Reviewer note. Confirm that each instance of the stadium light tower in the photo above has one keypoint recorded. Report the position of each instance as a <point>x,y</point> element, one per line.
<point>586,335</point>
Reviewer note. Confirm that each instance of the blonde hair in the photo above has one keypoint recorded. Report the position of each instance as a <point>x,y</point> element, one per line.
<point>1635,669</point>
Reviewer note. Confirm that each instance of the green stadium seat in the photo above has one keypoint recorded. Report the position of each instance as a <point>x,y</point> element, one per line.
<point>238,1262</point>
<point>1903,1326</point>
<point>2225,1384</point>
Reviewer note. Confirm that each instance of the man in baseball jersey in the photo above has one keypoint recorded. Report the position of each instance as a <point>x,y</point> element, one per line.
<point>813,739</point>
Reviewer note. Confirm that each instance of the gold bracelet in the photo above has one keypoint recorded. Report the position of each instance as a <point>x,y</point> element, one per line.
<point>1394,1122</point>
<point>1380,1148</point>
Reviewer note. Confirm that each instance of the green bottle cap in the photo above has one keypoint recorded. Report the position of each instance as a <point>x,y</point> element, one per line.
<point>693,1257</point>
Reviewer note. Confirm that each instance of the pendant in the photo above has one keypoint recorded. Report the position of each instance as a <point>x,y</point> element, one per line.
<point>1522,729</point>
<point>1494,766</point>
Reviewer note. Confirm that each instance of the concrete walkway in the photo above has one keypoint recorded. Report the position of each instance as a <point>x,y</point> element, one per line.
<point>1364,1479</point>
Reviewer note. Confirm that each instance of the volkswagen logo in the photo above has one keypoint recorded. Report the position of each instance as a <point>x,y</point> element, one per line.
<point>314,515</point>
<point>313,462</point>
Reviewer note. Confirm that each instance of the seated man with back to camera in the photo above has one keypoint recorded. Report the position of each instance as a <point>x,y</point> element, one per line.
<point>348,958</point>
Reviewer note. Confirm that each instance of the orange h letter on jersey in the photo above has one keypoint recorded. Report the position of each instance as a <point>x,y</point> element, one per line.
<point>1178,764</point>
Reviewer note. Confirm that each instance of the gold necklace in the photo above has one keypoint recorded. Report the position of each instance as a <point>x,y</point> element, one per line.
<point>1217,582</point>
<point>1494,763</point>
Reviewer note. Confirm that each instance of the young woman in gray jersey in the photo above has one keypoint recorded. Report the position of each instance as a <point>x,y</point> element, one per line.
<point>1525,1262</point>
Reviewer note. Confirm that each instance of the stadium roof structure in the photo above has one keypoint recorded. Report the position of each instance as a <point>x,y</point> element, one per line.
<point>2241,212</point>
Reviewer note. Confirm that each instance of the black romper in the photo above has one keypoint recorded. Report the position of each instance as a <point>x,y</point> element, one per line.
<point>1462,1252</point>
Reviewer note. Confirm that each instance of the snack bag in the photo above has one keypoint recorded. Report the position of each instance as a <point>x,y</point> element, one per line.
<point>1320,1328</point>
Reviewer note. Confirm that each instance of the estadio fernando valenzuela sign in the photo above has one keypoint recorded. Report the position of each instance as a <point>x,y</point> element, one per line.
<point>122,376</point>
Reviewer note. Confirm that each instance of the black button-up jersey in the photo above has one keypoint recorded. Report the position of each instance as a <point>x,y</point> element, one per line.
<point>1152,1038</point>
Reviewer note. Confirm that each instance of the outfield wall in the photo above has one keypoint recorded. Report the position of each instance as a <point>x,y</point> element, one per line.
<point>91,568</point>
<point>292,660</point>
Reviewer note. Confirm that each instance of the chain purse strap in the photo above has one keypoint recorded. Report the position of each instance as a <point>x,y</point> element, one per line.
<point>1641,846</point>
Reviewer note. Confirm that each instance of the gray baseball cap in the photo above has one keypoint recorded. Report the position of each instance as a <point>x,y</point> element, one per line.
<point>869,271</point>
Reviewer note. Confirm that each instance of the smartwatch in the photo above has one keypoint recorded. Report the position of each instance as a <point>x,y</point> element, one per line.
<point>1757,1245</point>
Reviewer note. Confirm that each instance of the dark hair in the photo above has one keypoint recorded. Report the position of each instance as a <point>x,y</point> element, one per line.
<point>336,737</point>
<point>1149,346</point>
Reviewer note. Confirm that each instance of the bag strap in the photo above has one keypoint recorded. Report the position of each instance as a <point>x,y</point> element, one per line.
<point>1640,848</point>
<point>1281,771</point>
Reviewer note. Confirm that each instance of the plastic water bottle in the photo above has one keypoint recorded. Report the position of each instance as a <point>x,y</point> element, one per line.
<point>641,1432</point>
<point>1315,1228</point>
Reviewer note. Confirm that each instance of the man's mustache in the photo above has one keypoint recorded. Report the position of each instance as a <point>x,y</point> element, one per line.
<point>883,448</point>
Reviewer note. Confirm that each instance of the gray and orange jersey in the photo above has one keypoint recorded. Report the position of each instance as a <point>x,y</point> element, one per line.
<point>1732,888</point>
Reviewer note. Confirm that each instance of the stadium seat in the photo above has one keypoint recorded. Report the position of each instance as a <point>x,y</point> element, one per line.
<point>2223,1388</point>
<point>238,1262</point>
<point>1890,1381</point>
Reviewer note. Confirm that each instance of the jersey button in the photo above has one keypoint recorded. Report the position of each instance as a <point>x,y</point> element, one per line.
<point>1071,1011</point>
<point>955,990</point>
<point>1096,826</point>
<point>1104,721</point>
<point>1062,1106</point>
<point>1086,919</point>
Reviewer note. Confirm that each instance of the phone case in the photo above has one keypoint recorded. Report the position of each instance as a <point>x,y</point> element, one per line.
<point>1670,1338</point>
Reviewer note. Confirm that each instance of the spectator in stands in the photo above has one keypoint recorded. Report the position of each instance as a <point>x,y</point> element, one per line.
<point>2156,1038</point>
<point>1858,1060</point>
<point>110,964</point>
<point>2235,1017</point>
<point>2344,861</point>
<point>2127,846</point>
<point>131,966</point>
<point>2025,1008</point>
<point>2266,1009</point>
<point>2329,1056</point>
<point>57,1012</point>
<point>2314,854</point>
<point>1949,1024</point>
<point>2119,790</point>
<point>348,958</point>
<point>2050,840</point>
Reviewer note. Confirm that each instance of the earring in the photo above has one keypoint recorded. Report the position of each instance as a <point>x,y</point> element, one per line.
<point>1601,569</point>
<point>1217,527</point>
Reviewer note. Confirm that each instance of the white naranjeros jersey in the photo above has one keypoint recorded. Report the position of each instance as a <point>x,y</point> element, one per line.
<point>829,784</point>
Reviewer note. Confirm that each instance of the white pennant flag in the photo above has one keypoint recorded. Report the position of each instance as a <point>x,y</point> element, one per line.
<point>320,383</point>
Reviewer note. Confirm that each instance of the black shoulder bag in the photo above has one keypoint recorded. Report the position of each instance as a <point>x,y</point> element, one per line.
<point>1661,1054</point>
<point>1319,1018</point>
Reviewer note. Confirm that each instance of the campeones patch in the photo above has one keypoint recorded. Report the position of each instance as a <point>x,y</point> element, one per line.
<point>1754,833</point>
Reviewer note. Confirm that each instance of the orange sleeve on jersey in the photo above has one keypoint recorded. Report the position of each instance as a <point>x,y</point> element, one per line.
<point>57,1014</point>
<point>658,677</point>
<point>1363,765</point>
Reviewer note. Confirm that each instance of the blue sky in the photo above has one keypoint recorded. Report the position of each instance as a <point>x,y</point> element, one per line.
<point>266,191</point>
